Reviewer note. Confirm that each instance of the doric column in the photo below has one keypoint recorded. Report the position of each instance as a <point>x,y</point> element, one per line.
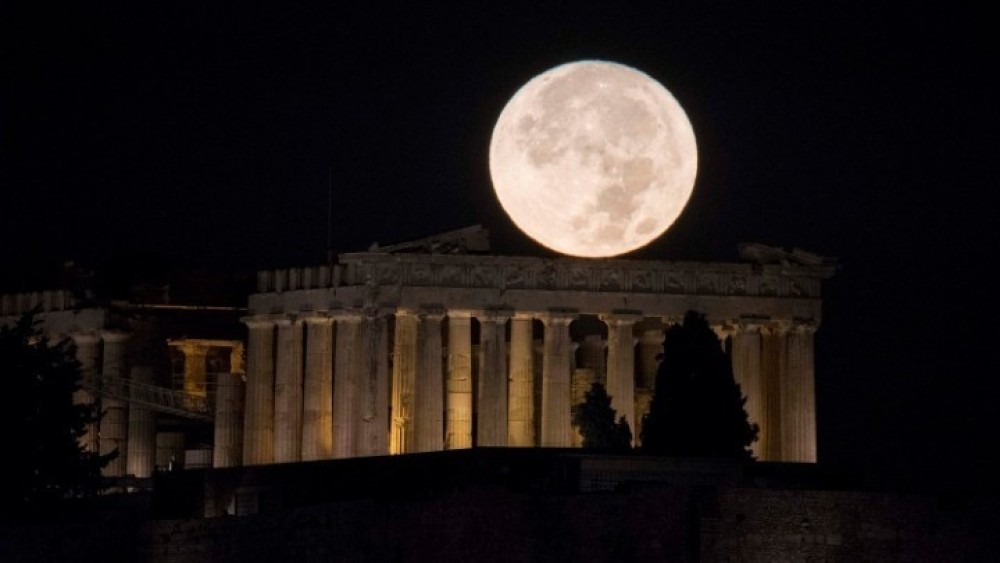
<point>404,373</point>
<point>747,372</point>
<point>346,383</point>
<point>317,398</point>
<point>258,413</point>
<point>521,397</point>
<point>773,365</point>
<point>373,429</point>
<point>621,364</point>
<point>556,427</point>
<point>288,392</point>
<point>650,352</point>
<point>428,398</point>
<point>492,412</point>
<point>88,352</point>
<point>458,400</point>
<point>228,449</point>
<point>722,332</point>
<point>593,357</point>
<point>798,399</point>
<point>141,431</point>
<point>195,367</point>
<point>580,383</point>
<point>114,425</point>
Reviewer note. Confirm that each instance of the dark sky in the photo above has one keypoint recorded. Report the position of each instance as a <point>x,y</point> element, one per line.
<point>202,137</point>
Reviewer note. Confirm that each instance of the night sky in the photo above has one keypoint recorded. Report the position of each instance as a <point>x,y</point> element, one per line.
<point>182,138</point>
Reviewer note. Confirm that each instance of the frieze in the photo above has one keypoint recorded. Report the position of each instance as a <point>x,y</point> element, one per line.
<point>610,276</point>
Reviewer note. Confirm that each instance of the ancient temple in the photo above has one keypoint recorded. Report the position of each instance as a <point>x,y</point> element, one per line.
<point>394,351</point>
<point>432,345</point>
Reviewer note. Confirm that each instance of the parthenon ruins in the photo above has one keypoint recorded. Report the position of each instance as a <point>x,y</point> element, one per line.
<point>430,347</point>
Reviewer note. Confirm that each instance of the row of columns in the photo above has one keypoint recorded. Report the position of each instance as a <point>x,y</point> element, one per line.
<point>130,428</point>
<point>342,412</point>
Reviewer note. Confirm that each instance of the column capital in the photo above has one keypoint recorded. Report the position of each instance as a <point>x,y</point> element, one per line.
<point>750,323</point>
<point>621,317</point>
<point>259,321</point>
<point>804,326</point>
<point>558,315</point>
<point>431,313</point>
<point>670,320</point>
<point>190,348</point>
<point>347,315</point>
<point>523,316</point>
<point>460,314</point>
<point>776,327</point>
<point>498,314</point>
<point>317,318</point>
<point>288,320</point>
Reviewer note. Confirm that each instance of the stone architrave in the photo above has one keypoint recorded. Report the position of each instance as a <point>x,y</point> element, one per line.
<point>556,372</point>
<point>621,364</point>
<point>317,399</point>
<point>258,413</point>
<point>428,396</point>
<point>88,353</point>
<point>141,431</point>
<point>798,398</point>
<point>774,357</point>
<point>288,392</point>
<point>746,361</point>
<point>492,405</point>
<point>521,399</point>
<point>458,399</point>
<point>404,373</point>
<point>373,429</point>
<point>114,424</point>
<point>346,383</point>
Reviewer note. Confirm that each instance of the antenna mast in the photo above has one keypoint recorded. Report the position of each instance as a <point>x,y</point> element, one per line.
<point>329,215</point>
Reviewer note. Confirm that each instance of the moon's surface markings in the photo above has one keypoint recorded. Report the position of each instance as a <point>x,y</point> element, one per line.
<point>593,159</point>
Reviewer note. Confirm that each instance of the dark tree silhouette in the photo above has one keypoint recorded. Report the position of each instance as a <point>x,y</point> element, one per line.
<point>698,408</point>
<point>44,462</point>
<point>596,420</point>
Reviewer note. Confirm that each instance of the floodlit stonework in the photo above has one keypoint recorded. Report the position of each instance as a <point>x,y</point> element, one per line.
<point>425,347</point>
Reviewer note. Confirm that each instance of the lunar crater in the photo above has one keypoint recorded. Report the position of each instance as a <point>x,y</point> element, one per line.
<point>593,159</point>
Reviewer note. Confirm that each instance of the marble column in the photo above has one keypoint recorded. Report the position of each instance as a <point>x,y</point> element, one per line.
<point>195,368</point>
<point>317,398</point>
<point>774,356</point>
<point>88,353</point>
<point>798,398</point>
<point>288,392</point>
<point>521,398</point>
<point>228,447</point>
<point>346,382</point>
<point>258,413</point>
<point>491,430</point>
<point>650,351</point>
<point>593,356</point>
<point>556,371</point>
<point>746,358</point>
<point>114,424</point>
<point>458,400</point>
<point>141,431</point>
<point>621,364</point>
<point>404,373</point>
<point>373,436</point>
<point>428,393</point>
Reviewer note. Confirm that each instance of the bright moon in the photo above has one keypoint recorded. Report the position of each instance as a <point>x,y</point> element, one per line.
<point>593,159</point>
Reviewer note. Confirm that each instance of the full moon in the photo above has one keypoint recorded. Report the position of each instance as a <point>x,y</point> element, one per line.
<point>593,159</point>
